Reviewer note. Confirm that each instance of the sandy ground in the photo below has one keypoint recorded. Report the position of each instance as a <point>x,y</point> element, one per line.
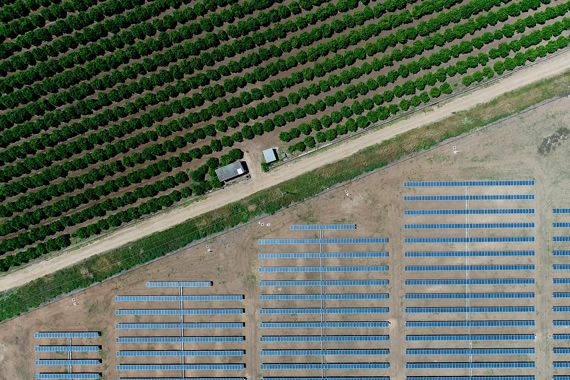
<point>260,181</point>
<point>375,203</point>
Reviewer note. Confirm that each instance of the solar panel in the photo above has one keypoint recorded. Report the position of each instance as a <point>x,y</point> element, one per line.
<point>323,269</point>
<point>470,239</point>
<point>179,298</point>
<point>494,211</point>
<point>470,351</point>
<point>294,283</point>
<point>561,252</point>
<point>329,366</point>
<point>179,339</point>
<point>426,296</point>
<point>484,309</point>
<point>469,183</point>
<point>561,266</point>
<point>167,353</point>
<point>561,350</point>
<point>323,241</point>
<point>67,334</point>
<point>492,197</point>
<point>561,336</point>
<point>330,378</point>
<point>180,367</point>
<point>471,281</point>
<point>323,227</point>
<point>323,255</point>
<point>432,226</point>
<point>324,338</point>
<point>320,297</point>
<point>560,364</point>
<point>67,376</point>
<point>332,310</point>
<point>470,323</point>
<point>428,268</point>
<point>561,309</point>
<point>470,365</point>
<point>470,337</point>
<point>561,224</point>
<point>561,294</point>
<point>324,324</point>
<point>516,377</point>
<point>67,348</point>
<point>183,378</point>
<point>63,362</point>
<point>561,239</point>
<point>561,210</point>
<point>468,253</point>
<point>325,352</point>
<point>178,326</point>
<point>179,311</point>
<point>179,284</point>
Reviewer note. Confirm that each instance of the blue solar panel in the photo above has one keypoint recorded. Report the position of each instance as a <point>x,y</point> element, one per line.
<point>470,323</point>
<point>468,253</point>
<point>180,367</point>
<point>431,226</point>
<point>324,338</point>
<point>473,239</point>
<point>561,350</point>
<point>561,252</point>
<point>516,377</point>
<point>179,339</point>
<point>324,269</point>
<point>63,362</point>
<point>426,296</point>
<point>561,309</point>
<point>168,353</point>
<point>444,337</point>
<point>179,298</point>
<point>470,211</point>
<point>67,376</point>
<point>179,284</point>
<point>324,352</point>
<point>561,377</point>
<point>484,309</point>
<point>561,267</point>
<point>561,336</point>
<point>561,224</point>
<point>471,281</point>
<point>324,324</point>
<point>179,311</point>
<point>330,378</point>
<point>558,364</point>
<point>561,322</point>
<point>503,197</point>
<point>561,294</point>
<point>430,268</point>
<point>67,334</point>
<point>470,365</point>
<point>470,351</point>
<point>319,227</point>
<point>469,183</point>
<point>178,326</point>
<point>561,239</point>
<point>319,297</point>
<point>328,366</point>
<point>331,310</point>
<point>67,348</point>
<point>561,210</point>
<point>183,378</point>
<point>281,283</point>
<point>323,241</point>
<point>323,255</point>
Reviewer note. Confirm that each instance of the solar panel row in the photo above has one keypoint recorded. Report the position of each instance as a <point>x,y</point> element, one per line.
<point>561,253</point>
<point>561,336</point>
<point>323,241</point>
<point>67,348</point>
<point>561,294</point>
<point>179,298</point>
<point>330,366</point>
<point>323,269</point>
<point>179,367</point>
<point>468,295</point>
<point>179,284</point>
<point>332,310</point>
<point>470,351</point>
<point>325,352</point>
<point>470,365</point>
<point>504,377</point>
<point>561,309</point>
<point>179,311</point>
<point>492,197</point>
<point>561,322</point>
<point>281,283</point>
<point>319,297</point>
<point>432,226</point>
<point>561,224</point>
<point>468,253</point>
<point>324,338</point>
<point>423,268</point>
<point>180,353</point>
<point>324,227</point>
<point>67,334</point>
<point>63,362</point>
<point>179,339</point>
<point>324,324</point>
<point>561,350</point>
<point>470,337</point>
<point>473,239</point>
<point>322,255</point>
<point>330,378</point>
<point>166,326</point>
<point>67,376</point>
<point>561,239</point>
<point>469,183</point>
<point>494,211</point>
<point>561,210</point>
<point>471,281</point>
<point>484,309</point>
<point>470,323</point>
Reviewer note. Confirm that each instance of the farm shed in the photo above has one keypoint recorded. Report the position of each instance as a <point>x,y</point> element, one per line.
<point>231,171</point>
<point>270,155</point>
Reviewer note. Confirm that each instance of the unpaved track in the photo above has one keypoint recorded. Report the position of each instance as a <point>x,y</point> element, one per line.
<point>551,67</point>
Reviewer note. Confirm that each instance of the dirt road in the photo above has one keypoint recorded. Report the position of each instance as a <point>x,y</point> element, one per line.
<point>260,181</point>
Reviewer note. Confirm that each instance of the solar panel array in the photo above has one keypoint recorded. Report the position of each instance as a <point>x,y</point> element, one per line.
<point>480,301</point>
<point>181,335</point>
<point>561,292</point>
<point>316,319</point>
<point>68,355</point>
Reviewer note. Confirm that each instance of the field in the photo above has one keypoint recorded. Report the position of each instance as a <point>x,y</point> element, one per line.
<point>536,149</point>
<point>176,89</point>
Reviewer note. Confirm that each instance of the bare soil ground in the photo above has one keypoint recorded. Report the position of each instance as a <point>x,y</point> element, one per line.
<point>506,151</point>
<point>551,67</point>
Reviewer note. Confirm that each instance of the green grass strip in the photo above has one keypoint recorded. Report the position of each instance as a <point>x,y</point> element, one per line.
<point>98,268</point>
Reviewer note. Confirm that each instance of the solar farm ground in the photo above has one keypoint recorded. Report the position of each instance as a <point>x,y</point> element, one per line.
<point>376,204</point>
